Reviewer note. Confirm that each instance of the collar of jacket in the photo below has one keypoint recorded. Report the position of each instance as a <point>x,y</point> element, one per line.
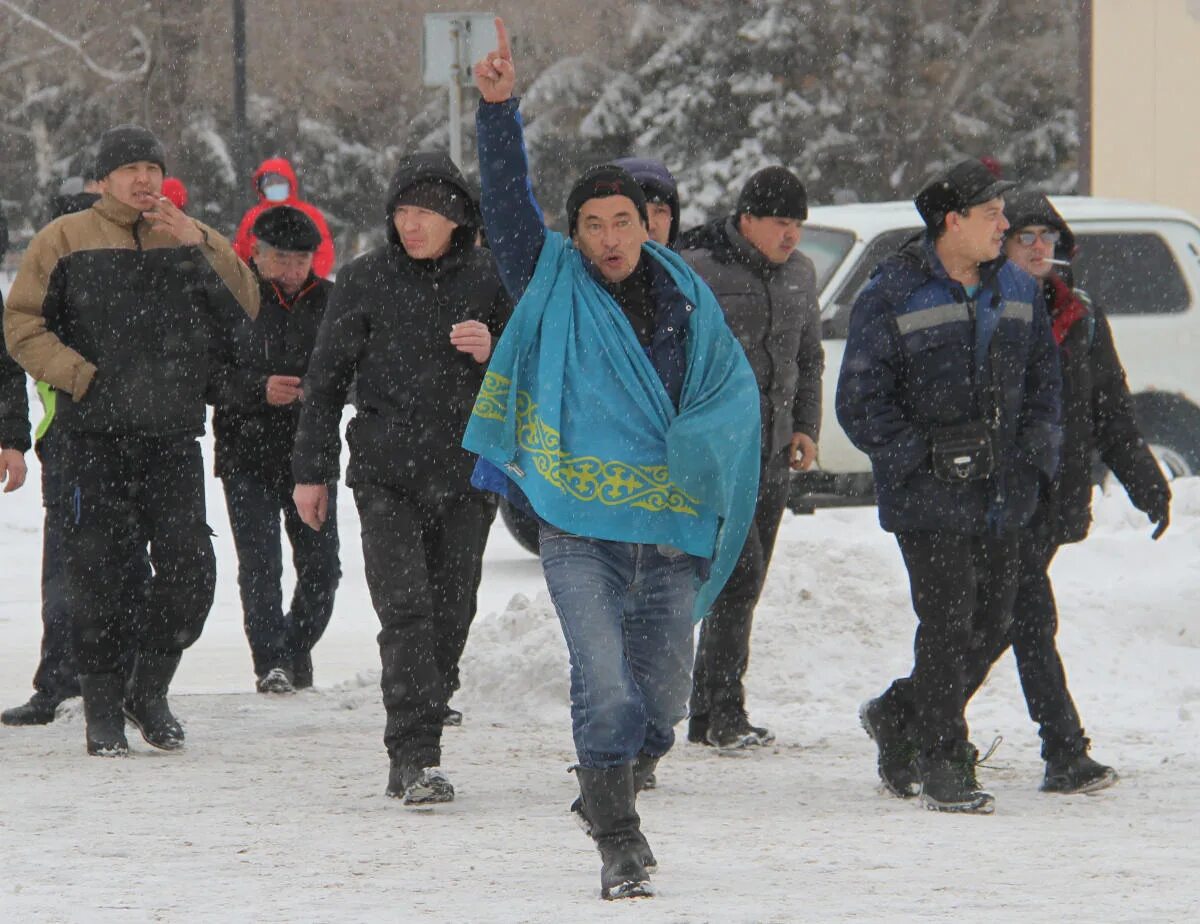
<point>117,212</point>
<point>933,264</point>
<point>743,251</point>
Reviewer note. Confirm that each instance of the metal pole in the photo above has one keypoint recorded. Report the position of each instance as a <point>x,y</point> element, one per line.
<point>240,169</point>
<point>456,68</point>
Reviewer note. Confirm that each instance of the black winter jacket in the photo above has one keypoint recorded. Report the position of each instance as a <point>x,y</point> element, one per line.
<point>14,403</point>
<point>772,310</point>
<point>253,437</point>
<point>1097,416</point>
<point>388,323</point>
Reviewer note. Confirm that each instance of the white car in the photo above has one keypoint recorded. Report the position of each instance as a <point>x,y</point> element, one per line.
<point>1139,262</point>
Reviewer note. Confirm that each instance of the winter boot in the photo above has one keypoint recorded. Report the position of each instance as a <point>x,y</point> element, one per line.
<point>276,680</point>
<point>302,671</point>
<point>643,778</point>
<point>608,801</point>
<point>38,711</point>
<point>1077,773</point>
<point>897,751</point>
<point>102,712</point>
<point>146,702</point>
<point>948,782</point>
<point>730,730</point>
<point>452,717</point>
<point>419,785</point>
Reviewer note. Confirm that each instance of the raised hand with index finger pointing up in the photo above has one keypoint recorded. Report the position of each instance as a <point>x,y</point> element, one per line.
<point>495,75</point>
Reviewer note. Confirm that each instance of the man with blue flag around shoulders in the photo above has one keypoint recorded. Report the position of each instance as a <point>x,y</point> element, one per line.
<point>619,409</point>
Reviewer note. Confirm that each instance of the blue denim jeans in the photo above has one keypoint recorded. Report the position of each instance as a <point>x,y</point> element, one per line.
<point>626,613</point>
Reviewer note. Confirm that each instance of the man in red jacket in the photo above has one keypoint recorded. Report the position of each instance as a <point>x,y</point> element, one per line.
<point>275,182</point>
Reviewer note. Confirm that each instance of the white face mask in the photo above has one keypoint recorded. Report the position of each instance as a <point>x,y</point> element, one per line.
<point>276,192</point>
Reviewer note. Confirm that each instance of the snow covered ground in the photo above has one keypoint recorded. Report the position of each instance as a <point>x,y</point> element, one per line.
<point>275,811</point>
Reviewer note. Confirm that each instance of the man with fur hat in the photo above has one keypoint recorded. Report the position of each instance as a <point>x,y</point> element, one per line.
<point>950,384</point>
<point>258,399</point>
<point>620,411</point>
<point>1097,417</point>
<point>119,307</point>
<point>768,291</point>
<point>412,323</point>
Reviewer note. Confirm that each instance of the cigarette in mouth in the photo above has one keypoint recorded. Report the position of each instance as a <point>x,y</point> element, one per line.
<point>1057,262</point>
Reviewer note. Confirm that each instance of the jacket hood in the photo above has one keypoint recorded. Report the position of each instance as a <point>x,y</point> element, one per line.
<point>1031,207</point>
<point>283,167</point>
<point>416,168</point>
<point>658,184</point>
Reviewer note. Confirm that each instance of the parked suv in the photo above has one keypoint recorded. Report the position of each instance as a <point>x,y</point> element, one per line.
<point>1139,262</point>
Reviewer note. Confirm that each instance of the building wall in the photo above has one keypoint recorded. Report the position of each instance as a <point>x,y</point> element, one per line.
<point>1145,111</point>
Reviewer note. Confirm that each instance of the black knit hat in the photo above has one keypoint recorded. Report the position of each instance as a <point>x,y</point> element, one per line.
<point>774,192</point>
<point>285,228</point>
<point>599,183</point>
<point>437,196</point>
<point>1031,207</point>
<point>128,144</point>
<point>967,183</point>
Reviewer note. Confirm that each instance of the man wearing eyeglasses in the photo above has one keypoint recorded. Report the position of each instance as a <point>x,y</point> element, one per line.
<point>1097,416</point>
<point>950,383</point>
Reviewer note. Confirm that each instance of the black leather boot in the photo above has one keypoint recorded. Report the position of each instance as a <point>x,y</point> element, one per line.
<point>608,801</point>
<point>102,711</point>
<point>643,778</point>
<point>146,702</point>
<point>39,710</point>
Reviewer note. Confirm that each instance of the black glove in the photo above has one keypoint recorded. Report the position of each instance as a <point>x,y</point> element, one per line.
<point>1159,512</point>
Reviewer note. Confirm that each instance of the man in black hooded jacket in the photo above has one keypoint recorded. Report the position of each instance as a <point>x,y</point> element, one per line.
<point>414,320</point>
<point>1097,417</point>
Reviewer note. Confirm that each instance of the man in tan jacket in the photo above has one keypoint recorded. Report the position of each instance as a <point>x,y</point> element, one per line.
<point>121,308</point>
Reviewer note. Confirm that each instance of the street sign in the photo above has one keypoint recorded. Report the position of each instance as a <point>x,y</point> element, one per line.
<point>452,43</point>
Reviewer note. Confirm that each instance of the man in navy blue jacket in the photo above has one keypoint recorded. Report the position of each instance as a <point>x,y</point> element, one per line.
<point>950,383</point>
<point>625,605</point>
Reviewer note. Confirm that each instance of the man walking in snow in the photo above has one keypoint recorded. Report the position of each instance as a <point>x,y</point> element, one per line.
<point>275,184</point>
<point>412,323</point>
<point>258,399</point>
<point>950,383</point>
<point>119,307</point>
<point>768,291</point>
<point>1097,417</point>
<point>662,196</point>
<point>619,410</point>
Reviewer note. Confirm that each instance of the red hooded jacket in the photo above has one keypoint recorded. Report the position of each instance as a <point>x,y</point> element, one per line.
<point>243,242</point>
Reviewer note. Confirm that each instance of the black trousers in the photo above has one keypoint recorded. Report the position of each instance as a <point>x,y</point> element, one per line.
<point>1032,635</point>
<point>423,559</point>
<point>277,638</point>
<point>122,496</point>
<point>723,652</point>
<point>963,589</point>
<point>57,674</point>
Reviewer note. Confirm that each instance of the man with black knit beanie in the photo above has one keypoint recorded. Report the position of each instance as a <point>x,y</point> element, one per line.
<point>412,323</point>
<point>122,307</point>
<point>769,293</point>
<point>617,382</point>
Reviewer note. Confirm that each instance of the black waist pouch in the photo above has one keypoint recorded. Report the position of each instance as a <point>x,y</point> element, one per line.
<point>962,452</point>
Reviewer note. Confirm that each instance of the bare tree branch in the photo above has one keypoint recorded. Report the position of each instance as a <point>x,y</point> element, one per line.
<point>76,45</point>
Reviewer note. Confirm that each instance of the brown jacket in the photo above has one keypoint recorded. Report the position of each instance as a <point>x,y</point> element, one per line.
<point>101,294</point>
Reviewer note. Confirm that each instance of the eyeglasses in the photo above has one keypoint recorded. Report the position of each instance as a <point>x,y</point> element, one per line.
<point>1029,238</point>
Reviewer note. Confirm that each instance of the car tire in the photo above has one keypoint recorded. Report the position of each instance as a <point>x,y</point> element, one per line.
<point>521,525</point>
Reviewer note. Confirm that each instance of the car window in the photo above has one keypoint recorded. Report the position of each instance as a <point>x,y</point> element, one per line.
<point>837,323</point>
<point>827,248</point>
<point>1130,272</point>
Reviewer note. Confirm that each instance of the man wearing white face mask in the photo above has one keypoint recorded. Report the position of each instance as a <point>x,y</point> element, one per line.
<point>275,184</point>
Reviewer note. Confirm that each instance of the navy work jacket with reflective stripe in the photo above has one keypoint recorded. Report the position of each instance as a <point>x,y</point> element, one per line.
<point>921,355</point>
